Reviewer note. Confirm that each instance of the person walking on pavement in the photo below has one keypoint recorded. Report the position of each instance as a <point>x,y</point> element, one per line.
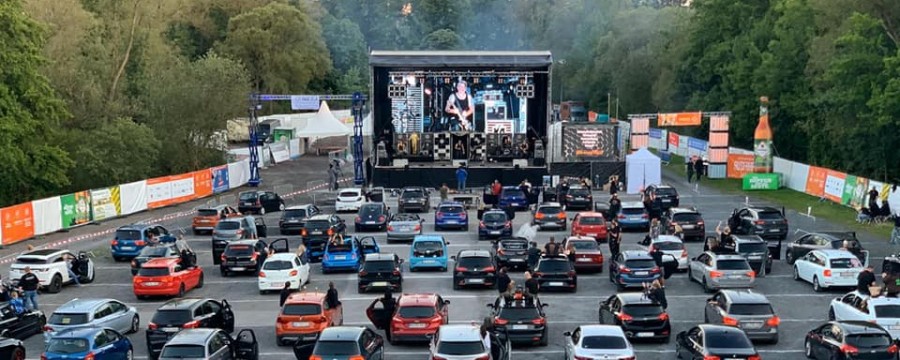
<point>503,281</point>
<point>445,192</point>
<point>865,280</point>
<point>613,185</point>
<point>532,286</point>
<point>534,254</point>
<point>461,176</point>
<point>331,297</point>
<point>285,293</point>
<point>615,238</point>
<point>29,283</point>
<point>615,205</point>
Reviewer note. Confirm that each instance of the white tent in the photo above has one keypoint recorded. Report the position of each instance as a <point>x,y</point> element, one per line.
<point>642,168</point>
<point>323,124</point>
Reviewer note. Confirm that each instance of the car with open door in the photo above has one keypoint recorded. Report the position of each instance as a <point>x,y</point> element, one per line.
<point>346,254</point>
<point>206,218</point>
<point>512,197</point>
<point>415,319</point>
<point>211,344</point>
<point>714,342</point>
<point>849,340</point>
<point>12,348</point>
<point>474,268</point>
<point>404,227</point>
<point>511,253</point>
<point>746,310</point>
<point>129,240</point>
<point>304,316</point>
<point>242,256</point>
<point>637,315</point>
<point>259,202</point>
<point>753,248</point>
<point>187,313</point>
<point>881,310</point>
<point>380,271</point>
<point>343,342</point>
<point>769,223</point>
<point>318,230</point>
<point>163,250</point>
<point>669,245</point>
<point>293,219</point>
<point>597,342</point>
<point>689,219</point>
<point>166,277</point>
<point>807,242</point>
<point>233,229</point>
<point>464,342</point>
<point>521,318</point>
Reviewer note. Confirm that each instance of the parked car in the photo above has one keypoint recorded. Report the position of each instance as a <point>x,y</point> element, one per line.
<point>588,256</point>
<point>129,240</point>
<point>549,216</point>
<point>521,318</point>
<point>349,199</point>
<point>473,268</point>
<point>828,268</point>
<point>166,277</point>
<point>404,227</point>
<point>259,202</point>
<point>753,248</point>
<point>347,255</point>
<point>825,240</point>
<point>556,273</point>
<point>689,219</point>
<point>205,219</point>
<point>163,250</point>
<point>591,224</point>
<point>637,315</point>
<point>719,271</point>
<point>767,222</point>
<point>243,256</point>
<point>849,340</point>
<point>666,195</point>
<point>51,269</point>
<point>318,230</point>
<point>632,268</point>
<point>416,319</point>
<point>510,253</point>
<point>494,224</point>
<point>714,341</point>
<point>428,251</point>
<point>414,198</point>
<point>597,342</point>
<point>633,215</point>
<point>293,219</point>
<point>744,309</point>
<point>351,342</point>
<point>98,313</point>
<point>280,268</point>
<point>12,348</point>
<point>88,343</point>
<point>380,271</point>
<point>233,229</point>
<point>372,216</point>
<point>211,344</point>
<point>881,310</point>
<point>670,245</point>
<point>20,326</point>
<point>304,316</point>
<point>579,197</point>
<point>451,214</point>
<point>466,342</point>
<point>512,197</point>
<point>186,313</point>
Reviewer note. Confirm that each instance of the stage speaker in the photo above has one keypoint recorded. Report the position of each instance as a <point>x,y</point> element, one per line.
<point>539,154</point>
<point>427,145</point>
<point>520,163</point>
<point>525,91</point>
<point>401,162</point>
<point>396,91</point>
<point>381,154</point>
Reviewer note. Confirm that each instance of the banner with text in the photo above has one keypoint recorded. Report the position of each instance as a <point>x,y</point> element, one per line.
<point>739,165</point>
<point>203,183</point>
<point>169,190</point>
<point>680,119</point>
<point>17,222</point>
<point>76,209</point>
<point>834,185</point>
<point>220,178</point>
<point>106,203</point>
<point>815,181</point>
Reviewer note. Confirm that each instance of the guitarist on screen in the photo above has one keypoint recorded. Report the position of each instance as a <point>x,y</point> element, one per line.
<point>460,106</point>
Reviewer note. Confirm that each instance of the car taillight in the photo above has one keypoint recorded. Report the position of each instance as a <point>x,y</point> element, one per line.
<point>849,349</point>
<point>390,228</point>
<point>461,269</point>
<point>222,257</point>
<point>488,269</point>
<point>303,232</point>
<point>624,317</point>
<point>569,196</point>
<point>358,219</point>
<point>293,273</point>
<point>655,270</point>
<point>418,227</point>
<point>485,357</point>
<point>191,325</point>
<point>240,231</point>
<point>754,357</point>
<point>508,224</point>
<point>133,263</point>
<point>47,328</point>
<point>571,273</point>
<point>356,357</point>
<point>700,223</point>
<point>43,356</point>
<point>561,215</point>
<point>538,274</point>
<point>539,321</point>
<point>330,232</point>
<point>760,222</point>
<point>645,216</point>
<point>715,274</point>
<point>621,216</point>
<point>773,321</point>
<point>729,321</point>
<point>262,274</point>
<point>684,253</point>
<point>583,358</point>
<point>827,273</point>
<point>499,321</point>
<point>363,273</point>
<point>114,242</point>
<point>396,271</point>
<point>140,243</point>
<point>893,349</point>
<point>501,252</point>
<point>254,255</point>
<point>152,326</point>
<point>751,273</point>
<point>481,224</point>
<point>624,270</point>
<point>711,357</point>
<point>438,214</point>
<point>539,216</point>
<point>89,356</point>
<point>663,316</point>
<point>315,357</point>
<point>433,357</point>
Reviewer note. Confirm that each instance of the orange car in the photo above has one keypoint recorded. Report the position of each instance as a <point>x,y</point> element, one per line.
<point>304,316</point>
<point>206,218</point>
<point>166,277</point>
<point>417,318</point>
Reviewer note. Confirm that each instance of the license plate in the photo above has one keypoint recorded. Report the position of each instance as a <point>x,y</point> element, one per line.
<point>476,281</point>
<point>370,222</point>
<point>516,260</point>
<point>666,200</point>
<point>452,222</point>
<point>754,257</point>
<point>171,329</point>
<point>735,276</point>
<point>153,283</point>
<point>380,283</point>
<point>416,326</point>
<point>642,273</point>
<point>556,283</point>
<point>316,232</point>
<point>248,203</point>
<point>301,324</point>
<point>520,327</point>
<point>688,227</point>
<point>846,274</point>
<point>429,262</point>
<point>238,268</point>
<point>128,248</point>
<point>497,232</point>
<point>293,221</point>
<point>340,257</point>
<point>591,235</point>
<point>584,260</point>
<point>773,230</point>
<point>752,325</point>
<point>515,204</point>
<point>579,198</point>
<point>645,334</point>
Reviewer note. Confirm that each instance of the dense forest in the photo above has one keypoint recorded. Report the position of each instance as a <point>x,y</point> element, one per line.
<point>99,92</point>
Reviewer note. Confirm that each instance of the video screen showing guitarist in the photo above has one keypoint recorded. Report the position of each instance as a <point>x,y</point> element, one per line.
<point>460,107</point>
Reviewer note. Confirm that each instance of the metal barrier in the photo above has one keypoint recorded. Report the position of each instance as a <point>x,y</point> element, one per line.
<point>283,189</point>
<point>318,186</point>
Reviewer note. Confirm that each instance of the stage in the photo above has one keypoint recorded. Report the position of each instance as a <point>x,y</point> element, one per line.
<point>432,175</point>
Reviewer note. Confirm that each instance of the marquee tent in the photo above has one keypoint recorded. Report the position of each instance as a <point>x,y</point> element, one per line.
<point>642,168</point>
<point>323,124</point>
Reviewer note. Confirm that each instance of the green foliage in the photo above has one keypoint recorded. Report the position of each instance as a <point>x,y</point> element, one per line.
<point>117,152</point>
<point>444,39</point>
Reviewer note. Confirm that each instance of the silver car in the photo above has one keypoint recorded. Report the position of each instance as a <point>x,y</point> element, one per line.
<point>211,344</point>
<point>404,227</point>
<point>464,342</point>
<point>746,310</point>
<point>718,271</point>
<point>106,313</point>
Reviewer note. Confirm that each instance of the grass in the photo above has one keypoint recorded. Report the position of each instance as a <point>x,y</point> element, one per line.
<point>826,210</point>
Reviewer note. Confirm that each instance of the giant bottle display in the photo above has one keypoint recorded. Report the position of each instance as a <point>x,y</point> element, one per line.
<point>762,140</point>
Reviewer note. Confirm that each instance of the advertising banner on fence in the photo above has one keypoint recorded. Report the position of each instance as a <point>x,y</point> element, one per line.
<point>220,178</point>
<point>76,209</point>
<point>17,222</point>
<point>768,181</point>
<point>169,190</point>
<point>203,184</point>
<point>673,140</point>
<point>697,144</point>
<point>45,213</point>
<point>106,203</point>
<point>815,181</point>
<point>739,165</point>
<point>834,185</point>
<point>855,189</point>
<point>680,119</point>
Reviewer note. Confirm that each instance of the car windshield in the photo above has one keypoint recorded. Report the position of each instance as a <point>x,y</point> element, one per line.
<point>727,340</point>
<point>550,210</point>
<point>228,225</point>
<point>669,245</point>
<point>643,310</point>
<point>154,251</point>
<point>416,312</point>
<point>128,234</point>
<point>769,215</point>
<point>207,212</point>
<point>414,194</point>
<point>640,264</point>
<point>519,313</point>
<point>514,245</point>
<point>249,196</point>
<point>342,248</point>
<point>67,346</point>
<point>379,266</point>
<point>453,209</point>
<point>495,217</point>
<point>317,224</point>
<point>687,218</point>
<point>183,351</point>
<point>845,263</point>
<point>887,311</point>
<point>335,348</point>
<point>666,191</point>
<point>405,217</point>
<point>603,342</point>
<point>633,211</point>
<point>153,271</point>
<point>751,309</point>
<point>554,266</point>
<point>238,250</point>
<point>277,265</point>
<point>513,193</point>
<point>579,192</point>
<point>295,213</point>
<point>732,265</point>
<point>349,194</point>
<point>584,245</point>
<point>302,309</point>
<point>371,210</point>
<point>851,243</point>
<point>460,348</point>
<point>428,246</point>
<point>68,319</point>
<point>474,262</point>
<point>752,248</point>
<point>591,220</point>
<point>172,317</point>
<point>868,340</point>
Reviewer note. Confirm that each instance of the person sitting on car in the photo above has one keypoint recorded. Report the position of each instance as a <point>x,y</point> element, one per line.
<point>17,304</point>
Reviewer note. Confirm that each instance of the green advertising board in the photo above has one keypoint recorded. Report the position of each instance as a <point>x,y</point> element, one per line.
<point>756,181</point>
<point>76,209</point>
<point>282,134</point>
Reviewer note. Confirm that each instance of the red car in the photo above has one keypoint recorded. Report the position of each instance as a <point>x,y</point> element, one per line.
<point>591,224</point>
<point>588,256</point>
<point>417,318</point>
<point>166,277</point>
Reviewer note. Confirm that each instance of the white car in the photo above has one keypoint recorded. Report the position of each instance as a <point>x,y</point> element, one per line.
<point>598,342</point>
<point>349,199</point>
<point>882,310</point>
<point>280,268</point>
<point>671,245</point>
<point>50,266</point>
<point>826,268</point>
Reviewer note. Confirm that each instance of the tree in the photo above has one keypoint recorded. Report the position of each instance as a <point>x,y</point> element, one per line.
<point>33,165</point>
<point>281,47</point>
<point>348,52</point>
<point>117,152</point>
<point>441,40</point>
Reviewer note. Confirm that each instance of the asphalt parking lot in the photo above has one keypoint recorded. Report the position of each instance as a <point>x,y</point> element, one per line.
<point>799,308</point>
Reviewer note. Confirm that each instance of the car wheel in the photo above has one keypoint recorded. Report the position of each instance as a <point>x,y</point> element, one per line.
<point>181,290</point>
<point>796,274</point>
<point>544,340</point>
<point>135,324</point>
<point>223,272</point>
<point>200,283</point>
<point>808,347</point>
<point>830,314</point>
<point>281,207</point>
<point>91,278</point>
<point>455,285</point>
<point>18,354</point>
<point>262,210</point>
<point>690,274</point>
<point>789,257</point>
<point>774,341</point>
<point>262,292</point>
<point>55,284</point>
<point>816,286</point>
<point>706,287</point>
<point>444,269</point>
<point>280,342</point>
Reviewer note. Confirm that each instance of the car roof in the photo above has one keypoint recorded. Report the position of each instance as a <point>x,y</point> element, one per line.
<point>636,254</point>
<point>632,204</point>
<point>42,253</point>
<point>836,235</point>
<point>299,207</point>
<point>321,217</point>
<point>78,333</point>
<point>629,298</point>
<point>720,328</point>
<point>450,203</point>
<point>493,210</point>
<point>287,256</point>
<point>414,188</point>
<point>428,238</point>
<point>763,209</point>
<point>879,300</point>
<point>511,188</point>
<point>250,242</point>
<point>418,299</point>
<point>81,305</point>
<point>380,257</point>
<point>858,327</point>
<point>160,262</point>
<point>683,210</point>
<point>133,227</point>
<point>459,333</point>
<point>667,238</point>
<point>745,296</point>
<point>341,333</point>
<point>728,256</point>
<point>580,238</point>
<point>747,239</point>
<point>601,330</point>
<point>554,258</point>
<point>305,297</point>
<point>350,189</point>
<point>181,304</point>
<point>474,253</point>
<point>192,336</point>
<point>590,213</point>
<point>548,204</point>
<point>835,253</point>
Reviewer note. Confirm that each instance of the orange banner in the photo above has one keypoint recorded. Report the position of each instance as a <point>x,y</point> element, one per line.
<point>170,190</point>
<point>17,222</point>
<point>739,165</point>
<point>718,140</point>
<point>815,181</point>
<point>718,123</point>
<point>202,183</point>
<point>680,119</point>
<point>834,185</point>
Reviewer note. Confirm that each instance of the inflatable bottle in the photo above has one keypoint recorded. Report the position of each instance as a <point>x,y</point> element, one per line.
<point>762,140</point>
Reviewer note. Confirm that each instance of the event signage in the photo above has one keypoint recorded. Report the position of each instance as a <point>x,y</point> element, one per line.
<point>756,181</point>
<point>697,144</point>
<point>106,203</point>
<point>76,209</point>
<point>304,102</point>
<point>220,178</point>
<point>739,165</point>
<point>680,119</point>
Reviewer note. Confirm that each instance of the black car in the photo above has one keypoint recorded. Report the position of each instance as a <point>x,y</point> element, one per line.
<point>380,271</point>
<point>824,240</point>
<point>414,198</point>
<point>850,340</point>
<point>243,256</point>
<point>318,230</point>
<point>372,216</point>
<point>187,313</point>
<point>711,341</point>
<point>511,253</point>
<point>294,218</point>
<point>473,268</point>
<point>343,342</point>
<point>22,326</point>
<point>12,349</point>
<point>521,318</point>
<point>579,198</point>
<point>767,222</point>
<point>549,215</point>
<point>689,219</point>
<point>556,273</point>
<point>259,202</point>
<point>162,250</point>
<point>639,317</point>
<point>495,223</point>
<point>753,248</point>
<point>666,196</point>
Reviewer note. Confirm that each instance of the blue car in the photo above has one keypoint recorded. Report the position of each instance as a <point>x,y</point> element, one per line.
<point>348,255</point>
<point>512,197</point>
<point>634,215</point>
<point>88,343</point>
<point>633,268</point>
<point>428,252</point>
<point>494,224</point>
<point>451,214</point>
<point>131,239</point>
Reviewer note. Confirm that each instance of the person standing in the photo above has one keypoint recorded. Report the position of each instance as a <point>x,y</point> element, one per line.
<point>390,305</point>
<point>873,199</point>
<point>653,234</point>
<point>369,170</point>
<point>445,192</point>
<point>531,284</point>
<point>496,187</point>
<point>332,178</point>
<point>615,205</point>
<point>285,293</point>
<point>331,297</point>
<point>690,169</point>
<point>613,185</point>
<point>698,169</point>
<point>864,280</point>
<point>615,238</point>
<point>895,234</point>
<point>461,176</point>
<point>503,281</point>
<point>29,283</point>
<point>534,254</point>
<point>570,253</point>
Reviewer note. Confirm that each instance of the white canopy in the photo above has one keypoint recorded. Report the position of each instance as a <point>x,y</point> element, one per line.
<point>642,168</point>
<point>323,124</point>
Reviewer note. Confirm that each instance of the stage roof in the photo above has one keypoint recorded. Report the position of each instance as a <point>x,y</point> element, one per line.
<point>461,59</point>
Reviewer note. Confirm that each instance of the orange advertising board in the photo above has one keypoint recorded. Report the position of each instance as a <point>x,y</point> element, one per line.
<point>815,181</point>
<point>834,185</point>
<point>739,165</point>
<point>680,119</point>
<point>202,183</point>
<point>170,190</point>
<point>17,222</point>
